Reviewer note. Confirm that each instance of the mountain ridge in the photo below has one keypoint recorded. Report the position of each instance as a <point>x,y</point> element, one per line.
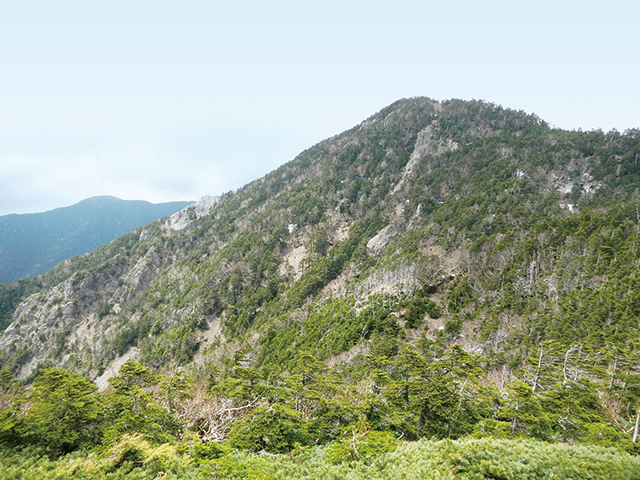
<point>441,270</point>
<point>421,193</point>
<point>33,243</point>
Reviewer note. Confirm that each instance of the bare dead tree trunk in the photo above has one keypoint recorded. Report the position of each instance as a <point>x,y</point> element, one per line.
<point>461,391</point>
<point>636,429</point>
<point>565,366</point>
<point>613,373</point>
<point>503,378</point>
<point>536,378</point>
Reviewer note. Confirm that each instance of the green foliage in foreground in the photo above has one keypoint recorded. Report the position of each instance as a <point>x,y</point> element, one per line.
<point>134,458</point>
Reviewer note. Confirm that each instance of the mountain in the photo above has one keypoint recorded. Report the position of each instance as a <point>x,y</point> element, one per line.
<point>34,243</point>
<point>441,269</point>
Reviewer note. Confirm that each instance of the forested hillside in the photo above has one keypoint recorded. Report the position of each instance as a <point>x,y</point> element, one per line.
<point>443,270</point>
<point>33,243</point>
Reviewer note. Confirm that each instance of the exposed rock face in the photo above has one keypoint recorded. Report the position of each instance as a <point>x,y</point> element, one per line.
<point>75,316</point>
<point>182,219</point>
<point>113,368</point>
<point>390,232</point>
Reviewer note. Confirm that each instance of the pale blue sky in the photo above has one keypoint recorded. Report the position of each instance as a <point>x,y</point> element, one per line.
<point>175,100</point>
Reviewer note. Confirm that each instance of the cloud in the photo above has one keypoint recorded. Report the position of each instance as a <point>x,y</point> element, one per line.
<point>44,171</point>
<point>44,182</point>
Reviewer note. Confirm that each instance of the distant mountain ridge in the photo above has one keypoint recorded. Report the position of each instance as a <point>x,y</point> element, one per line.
<point>31,244</point>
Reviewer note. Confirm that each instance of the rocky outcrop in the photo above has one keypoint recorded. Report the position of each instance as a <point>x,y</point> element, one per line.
<point>185,217</point>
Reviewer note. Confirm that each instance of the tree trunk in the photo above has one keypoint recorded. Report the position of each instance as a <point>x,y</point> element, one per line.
<point>536,378</point>
<point>515,419</point>
<point>613,373</point>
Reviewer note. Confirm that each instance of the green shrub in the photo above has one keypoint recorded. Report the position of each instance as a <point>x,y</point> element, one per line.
<point>274,429</point>
<point>361,443</point>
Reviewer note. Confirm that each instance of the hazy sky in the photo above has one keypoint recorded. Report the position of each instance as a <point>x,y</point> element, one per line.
<point>163,101</point>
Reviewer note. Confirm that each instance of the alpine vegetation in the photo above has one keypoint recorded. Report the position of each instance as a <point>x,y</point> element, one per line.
<point>447,289</point>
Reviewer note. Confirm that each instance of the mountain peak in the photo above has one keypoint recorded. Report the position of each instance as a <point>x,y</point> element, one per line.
<point>449,219</point>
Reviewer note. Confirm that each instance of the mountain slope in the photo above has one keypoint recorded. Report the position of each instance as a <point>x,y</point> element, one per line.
<point>431,224</point>
<point>34,243</point>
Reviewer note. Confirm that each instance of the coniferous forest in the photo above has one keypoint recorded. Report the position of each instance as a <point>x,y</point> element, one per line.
<point>447,290</point>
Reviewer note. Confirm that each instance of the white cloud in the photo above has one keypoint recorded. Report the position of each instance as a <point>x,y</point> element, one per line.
<point>38,173</point>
